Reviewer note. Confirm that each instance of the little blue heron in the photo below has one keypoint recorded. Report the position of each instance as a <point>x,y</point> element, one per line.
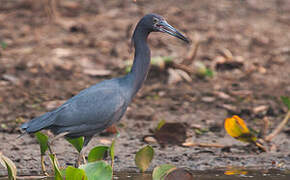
<point>99,106</point>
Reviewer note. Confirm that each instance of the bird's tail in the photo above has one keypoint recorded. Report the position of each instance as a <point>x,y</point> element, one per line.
<point>41,122</point>
<point>38,123</point>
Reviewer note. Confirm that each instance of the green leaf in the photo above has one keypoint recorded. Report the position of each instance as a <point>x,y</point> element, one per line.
<point>209,73</point>
<point>286,101</point>
<point>144,157</point>
<point>43,142</point>
<point>57,173</point>
<point>11,168</point>
<point>72,173</point>
<point>97,153</point>
<point>62,173</point>
<point>160,124</point>
<point>98,170</point>
<point>112,152</point>
<point>77,143</point>
<point>160,172</point>
<point>128,69</point>
<point>202,70</point>
<point>158,61</point>
<point>3,45</point>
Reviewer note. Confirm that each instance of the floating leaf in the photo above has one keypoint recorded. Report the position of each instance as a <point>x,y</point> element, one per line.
<point>160,172</point>
<point>237,128</point>
<point>11,168</point>
<point>57,173</point>
<point>73,173</point>
<point>77,143</point>
<point>286,101</point>
<point>43,141</point>
<point>98,170</point>
<point>144,157</point>
<point>97,153</point>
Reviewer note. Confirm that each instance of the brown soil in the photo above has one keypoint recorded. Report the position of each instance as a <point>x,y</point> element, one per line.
<point>48,57</point>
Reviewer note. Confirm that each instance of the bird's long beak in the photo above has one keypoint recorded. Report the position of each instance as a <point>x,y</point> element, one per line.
<point>163,26</point>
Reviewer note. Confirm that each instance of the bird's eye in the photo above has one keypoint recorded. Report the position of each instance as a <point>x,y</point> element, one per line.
<point>155,20</point>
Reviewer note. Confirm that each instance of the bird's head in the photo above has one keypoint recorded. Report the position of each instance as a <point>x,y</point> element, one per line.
<point>156,23</point>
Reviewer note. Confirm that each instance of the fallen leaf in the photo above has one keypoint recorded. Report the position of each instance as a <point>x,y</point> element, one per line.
<point>174,77</point>
<point>208,99</point>
<point>97,72</point>
<point>11,78</point>
<point>222,95</point>
<point>259,109</point>
<point>171,133</point>
<point>150,140</point>
<point>50,105</point>
<point>105,141</point>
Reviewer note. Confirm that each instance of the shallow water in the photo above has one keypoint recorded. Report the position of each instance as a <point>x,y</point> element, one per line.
<point>218,175</point>
<point>228,174</point>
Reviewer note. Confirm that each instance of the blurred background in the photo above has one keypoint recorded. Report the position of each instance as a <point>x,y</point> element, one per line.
<point>238,63</point>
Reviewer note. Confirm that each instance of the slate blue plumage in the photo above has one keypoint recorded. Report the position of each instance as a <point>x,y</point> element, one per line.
<point>99,106</point>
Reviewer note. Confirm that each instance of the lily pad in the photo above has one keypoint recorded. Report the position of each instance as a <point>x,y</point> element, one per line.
<point>160,172</point>
<point>98,170</point>
<point>73,173</point>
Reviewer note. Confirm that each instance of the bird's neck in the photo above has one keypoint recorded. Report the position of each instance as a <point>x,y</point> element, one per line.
<point>141,59</point>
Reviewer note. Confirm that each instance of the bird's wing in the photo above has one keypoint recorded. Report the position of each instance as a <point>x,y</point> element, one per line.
<point>95,108</point>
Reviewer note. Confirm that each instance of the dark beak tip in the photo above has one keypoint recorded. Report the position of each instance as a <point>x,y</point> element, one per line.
<point>188,41</point>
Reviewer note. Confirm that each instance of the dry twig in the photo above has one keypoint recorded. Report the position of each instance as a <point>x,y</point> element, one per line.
<point>265,127</point>
<point>192,144</point>
<point>183,67</point>
<point>279,128</point>
<point>192,54</point>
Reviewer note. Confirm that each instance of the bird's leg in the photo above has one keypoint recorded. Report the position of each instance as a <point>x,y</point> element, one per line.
<point>49,143</point>
<point>82,153</point>
<point>81,157</point>
<point>43,166</point>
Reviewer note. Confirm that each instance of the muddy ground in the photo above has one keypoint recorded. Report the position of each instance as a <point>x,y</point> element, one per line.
<point>48,55</point>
